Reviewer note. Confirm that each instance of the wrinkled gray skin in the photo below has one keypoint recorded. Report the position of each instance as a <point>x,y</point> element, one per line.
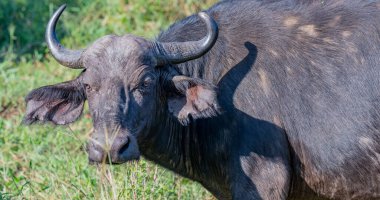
<point>286,105</point>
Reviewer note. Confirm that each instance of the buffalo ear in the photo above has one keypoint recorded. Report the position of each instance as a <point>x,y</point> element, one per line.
<point>60,104</point>
<point>192,97</point>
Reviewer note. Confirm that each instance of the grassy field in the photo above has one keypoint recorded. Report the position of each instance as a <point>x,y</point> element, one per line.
<point>47,162</point>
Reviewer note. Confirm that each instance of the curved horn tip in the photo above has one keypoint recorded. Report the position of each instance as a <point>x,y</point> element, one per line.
<point>204,15</point>
<point>66,57</point>
<point>63,7</point>
<point>207,18</point>
<point>59,11</point>
<point>54,19</point>
<point>212,26</point>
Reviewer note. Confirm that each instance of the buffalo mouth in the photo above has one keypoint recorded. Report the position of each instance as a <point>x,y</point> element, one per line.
<point>108,161</point>
<point>112,161</point>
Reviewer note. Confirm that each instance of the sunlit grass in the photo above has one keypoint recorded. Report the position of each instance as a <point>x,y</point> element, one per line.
<point>47,162</point>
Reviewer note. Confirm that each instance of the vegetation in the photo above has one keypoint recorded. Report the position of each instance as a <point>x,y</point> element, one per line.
<point>48,162</point>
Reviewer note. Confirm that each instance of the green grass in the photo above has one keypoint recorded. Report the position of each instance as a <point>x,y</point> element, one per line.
<point>47,162</point>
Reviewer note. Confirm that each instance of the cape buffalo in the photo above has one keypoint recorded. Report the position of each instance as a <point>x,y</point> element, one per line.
<point>275,99</point>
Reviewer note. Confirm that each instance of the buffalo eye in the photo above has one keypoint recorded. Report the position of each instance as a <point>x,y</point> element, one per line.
<point>87,87</point>
<point>147,81</point>
<point>145,85</point>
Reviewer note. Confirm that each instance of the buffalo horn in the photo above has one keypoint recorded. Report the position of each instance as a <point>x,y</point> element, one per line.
<point>179,52</point>
<point>67,57</point>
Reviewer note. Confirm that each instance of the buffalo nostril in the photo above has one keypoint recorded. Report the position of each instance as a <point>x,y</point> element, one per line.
<point>124,147</point>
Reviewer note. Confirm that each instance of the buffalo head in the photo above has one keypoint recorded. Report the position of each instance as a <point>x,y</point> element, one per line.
<point>130,86</point>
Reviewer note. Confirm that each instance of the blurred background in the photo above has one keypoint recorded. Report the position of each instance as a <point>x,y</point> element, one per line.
<point>47,162</point>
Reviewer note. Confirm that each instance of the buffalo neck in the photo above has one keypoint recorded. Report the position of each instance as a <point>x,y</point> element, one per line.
<point>199,151</point>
